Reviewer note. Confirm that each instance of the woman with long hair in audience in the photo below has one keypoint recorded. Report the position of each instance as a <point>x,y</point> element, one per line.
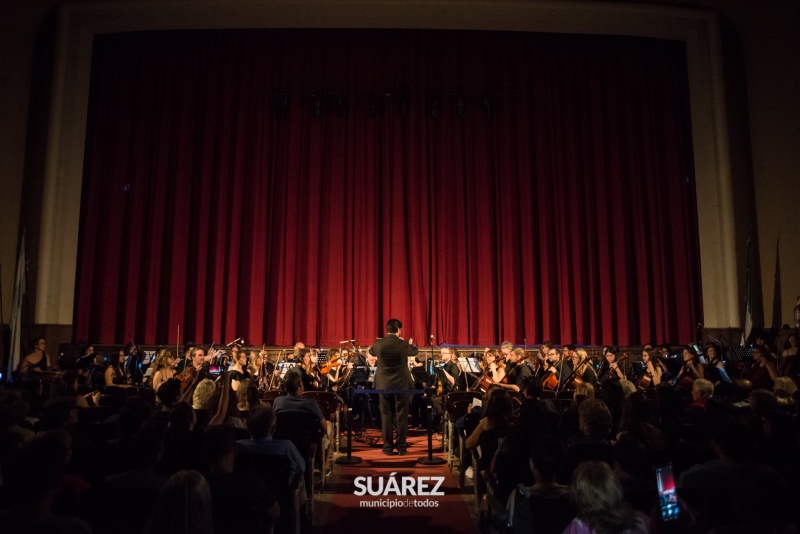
<point>164,368</point>
<point>636,423</point>
<point>184,506</point>
<point>115,372</point>
<point>596,494</point>
<point>497,414</point>
<point>784,389</point>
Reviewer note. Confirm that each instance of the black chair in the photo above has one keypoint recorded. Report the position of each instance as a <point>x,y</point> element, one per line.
<point>489,442</point>
<point>274,470</point>
<point>303,429</point>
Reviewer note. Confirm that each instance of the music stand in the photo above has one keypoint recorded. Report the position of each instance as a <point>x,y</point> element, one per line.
<point>743,353</point>
<point>349,459</point>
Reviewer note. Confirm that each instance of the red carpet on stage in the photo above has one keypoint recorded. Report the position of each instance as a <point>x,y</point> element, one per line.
<point>408,513</point>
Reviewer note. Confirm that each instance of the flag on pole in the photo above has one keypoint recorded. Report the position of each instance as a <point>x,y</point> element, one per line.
<point>777,301</point>
<point>15,352</point>
<point>748,293</point>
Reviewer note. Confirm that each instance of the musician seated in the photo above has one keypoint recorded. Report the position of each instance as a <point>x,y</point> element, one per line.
<point>611,369</point>
<point>261,424</point>
<point>37,362</point>
<point>493,365</point>
<point>115,372</point>
<point>446,380</point>
<point>516,370</point>
<point>583,363</point>
<point>652,366</point>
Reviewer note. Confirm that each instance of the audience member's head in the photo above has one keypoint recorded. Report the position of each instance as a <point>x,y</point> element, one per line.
<point>733,441</point>
<point>181,417</point>
<point>203,393</point>
<point>498,409</point>
<point>36,470</point>
<point>169,392</point>
<point>184,506</point>
<point>13,409</point>
<point>261,422</point>
<point>762,401</point>
<point>532,388</point>
<point>293,382</point>
<point>597,496</point>
<point>628,387</point>
<point>585,389</point>
<point>145,449</point>
<point>594,418</point>
<point>60,412</point>
<point>702,390</point>
<point>547,456</point>
<point>784,389</point>
<point>219,448</point>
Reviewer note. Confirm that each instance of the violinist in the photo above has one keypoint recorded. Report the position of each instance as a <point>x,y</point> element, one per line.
<point>611,369</point>
<point>493,367</point>
<point>762,373</point>
<point>305,368</point>
<point>164,368</point>
<point>583,364</point>
<point>516,370</point>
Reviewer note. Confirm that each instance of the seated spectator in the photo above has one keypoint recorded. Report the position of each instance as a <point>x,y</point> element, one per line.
<point>549,505</point>
<point>183,507</point>
<point>636,423</point>
<point>634,468</point>
<point>143,454</point>
<point>168,394</point>
<point>60,413</point>
<point>595,425</point>
<point>33,480</point>
<point>784,389</point>
<point>510,465</point>
<point>261,423</point>
<point>182,442</point>
<point>242,491</point>
<point>628,387</point>
<point>66,386</point>
<point>202,401</point>
<point>13,411</point>
<point>707,486</point>
<point>293,400</point>
<point>497,414</point>
<point>597,497</point>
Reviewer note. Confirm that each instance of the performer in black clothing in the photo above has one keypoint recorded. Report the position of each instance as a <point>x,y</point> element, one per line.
<point>585,367</point>
<point>392,374</point>
<point>446,382</point>
<point>517,371</point>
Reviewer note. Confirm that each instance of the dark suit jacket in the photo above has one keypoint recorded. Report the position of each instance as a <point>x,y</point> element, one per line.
<point>392,372</point>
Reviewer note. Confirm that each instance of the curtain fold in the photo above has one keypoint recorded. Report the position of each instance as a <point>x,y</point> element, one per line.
<point>479,186</point>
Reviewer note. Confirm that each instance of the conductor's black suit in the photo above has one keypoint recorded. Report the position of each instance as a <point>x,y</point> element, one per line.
<point>393,374</point>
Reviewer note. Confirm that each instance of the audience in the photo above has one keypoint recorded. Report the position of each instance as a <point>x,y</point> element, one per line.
<point>734,462</point>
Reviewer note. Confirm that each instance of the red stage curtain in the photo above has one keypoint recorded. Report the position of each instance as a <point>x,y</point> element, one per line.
<point>563,209</point>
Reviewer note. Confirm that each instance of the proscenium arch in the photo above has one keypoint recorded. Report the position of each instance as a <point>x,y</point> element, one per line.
<point>78,23</point>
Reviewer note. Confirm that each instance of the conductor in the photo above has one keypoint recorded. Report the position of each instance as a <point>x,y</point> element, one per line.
<point>392,374</point>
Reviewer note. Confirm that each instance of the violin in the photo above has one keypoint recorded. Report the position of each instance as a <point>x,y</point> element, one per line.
<point>332,363</point>
<point>187,376</point>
